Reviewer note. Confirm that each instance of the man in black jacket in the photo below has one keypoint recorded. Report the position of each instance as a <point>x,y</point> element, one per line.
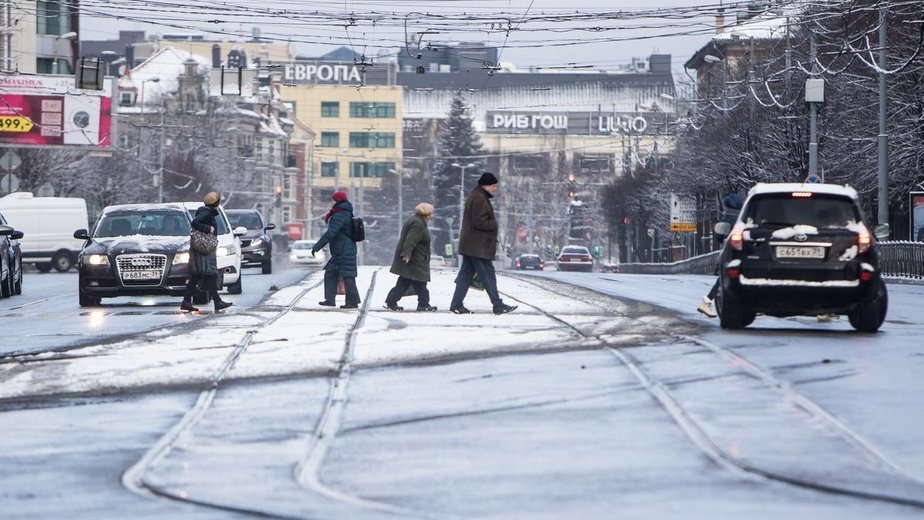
<point>478,247</point>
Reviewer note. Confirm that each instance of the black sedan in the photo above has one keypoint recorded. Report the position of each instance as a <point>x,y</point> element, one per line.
<point>10,260</point>
<point>134,250</point>
<point>528,261</point>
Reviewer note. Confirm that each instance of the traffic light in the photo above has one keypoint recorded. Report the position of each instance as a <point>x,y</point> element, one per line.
<point>572,188</point>
<point>596,252</point>
<point>278,195</point>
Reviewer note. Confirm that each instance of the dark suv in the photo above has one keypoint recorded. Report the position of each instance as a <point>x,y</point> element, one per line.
<point>257,244</point>
<point>801,249</point>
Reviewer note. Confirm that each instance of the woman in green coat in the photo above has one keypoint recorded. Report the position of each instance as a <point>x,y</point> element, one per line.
<point>412,260</point>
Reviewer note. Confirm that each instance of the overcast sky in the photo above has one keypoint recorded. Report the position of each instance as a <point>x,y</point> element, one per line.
<point>550,33</point>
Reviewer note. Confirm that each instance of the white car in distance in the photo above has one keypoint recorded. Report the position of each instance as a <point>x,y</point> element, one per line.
<point>300,253</point>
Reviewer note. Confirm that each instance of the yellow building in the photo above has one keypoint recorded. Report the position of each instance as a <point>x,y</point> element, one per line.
<point>357,120</point>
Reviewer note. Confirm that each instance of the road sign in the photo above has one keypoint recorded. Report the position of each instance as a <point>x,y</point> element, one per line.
<point>15,124</point>
<point>683,213</point>
<point>813,179</point>
<point>10,161</point>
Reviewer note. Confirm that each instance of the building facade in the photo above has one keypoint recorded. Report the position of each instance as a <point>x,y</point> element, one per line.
<point>38,37</point>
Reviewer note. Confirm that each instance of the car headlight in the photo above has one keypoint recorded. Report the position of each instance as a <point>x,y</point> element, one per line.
<point>256,242</point>
<point>226,251</point>
<point>181,258</point>
<point>97,260</point>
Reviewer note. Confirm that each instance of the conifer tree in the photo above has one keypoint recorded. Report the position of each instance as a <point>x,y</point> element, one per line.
<point>459,144</point>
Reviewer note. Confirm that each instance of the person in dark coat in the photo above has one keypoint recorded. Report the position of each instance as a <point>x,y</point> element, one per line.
<point>412,260</point>
<point>478,247</point>
<point>203,269</point>
<point>731,208</point>
<point>339,237</point>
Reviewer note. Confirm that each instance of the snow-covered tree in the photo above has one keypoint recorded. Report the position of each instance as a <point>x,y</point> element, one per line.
<point>458,143</point>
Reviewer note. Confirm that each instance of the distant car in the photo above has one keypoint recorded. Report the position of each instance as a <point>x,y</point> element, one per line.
<point>801,249</point>
<point>575,258</point>
<point>10,260</point>
<point>528,261</point>
<point>134,250</point>
<point>256,244</point>
<point>300,253</point>
<point>609,268</point>
<point>438,262</point>
<point>229,249</point>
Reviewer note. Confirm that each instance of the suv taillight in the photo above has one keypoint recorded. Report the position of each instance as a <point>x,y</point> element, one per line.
<point>736,237</point>
<point>864,239</point>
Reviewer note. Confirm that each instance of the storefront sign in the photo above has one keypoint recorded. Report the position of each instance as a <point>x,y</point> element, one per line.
<point>571,123</point>
<point>320,72</point>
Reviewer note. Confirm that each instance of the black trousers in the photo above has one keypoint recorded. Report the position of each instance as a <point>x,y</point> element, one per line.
<point>209,282</point>
<point>485,270</point>
<point>330,287</point>
<point>423,295</point>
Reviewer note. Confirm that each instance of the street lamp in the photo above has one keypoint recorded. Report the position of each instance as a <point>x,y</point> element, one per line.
<point>400,199</point>
<point>160,151</point>
<point>66,36</point>
<point>462,169</point>
<point>143,100</point>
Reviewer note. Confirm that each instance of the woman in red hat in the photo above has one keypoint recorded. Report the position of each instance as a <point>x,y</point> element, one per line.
<point>343,251</point>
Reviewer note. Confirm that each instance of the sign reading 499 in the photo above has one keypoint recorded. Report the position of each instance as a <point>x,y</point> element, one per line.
<point>15,124</point>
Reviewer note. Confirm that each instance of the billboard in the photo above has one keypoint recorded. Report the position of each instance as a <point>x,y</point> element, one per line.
<point>49,111</point>
<point>917,215</point>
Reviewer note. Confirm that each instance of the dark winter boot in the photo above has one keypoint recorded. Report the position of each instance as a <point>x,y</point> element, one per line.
<point>221,305</point>
<point>188,307</point>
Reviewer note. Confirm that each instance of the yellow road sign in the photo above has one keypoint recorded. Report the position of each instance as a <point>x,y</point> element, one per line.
<point>15,124</point>
<point>683,227</point>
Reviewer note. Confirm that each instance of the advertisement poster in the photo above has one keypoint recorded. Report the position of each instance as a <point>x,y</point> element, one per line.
<point>917,215</point>
<point>48,110</point>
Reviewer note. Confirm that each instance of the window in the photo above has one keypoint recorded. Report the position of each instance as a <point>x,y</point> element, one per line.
<point>48,18</point>
<point>372,110</point>
<point>370,169</point>
<point>330,109</point>
<point>330,139</point>
<point>372,140</point>
<point>329,169</point>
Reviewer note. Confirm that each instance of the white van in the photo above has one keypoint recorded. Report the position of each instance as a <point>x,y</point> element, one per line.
<point>48,224</point>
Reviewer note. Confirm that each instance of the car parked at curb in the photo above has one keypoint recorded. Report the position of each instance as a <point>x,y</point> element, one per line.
<point>801,249</point>
<point>575,258</point>
<point>10,260</point>
<point>228,253</point>
<point>256,244</point>
<point>134,250</point>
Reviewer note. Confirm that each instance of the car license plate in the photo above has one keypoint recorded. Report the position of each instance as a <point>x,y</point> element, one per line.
<point>141,275</point>
<point>800,252</point>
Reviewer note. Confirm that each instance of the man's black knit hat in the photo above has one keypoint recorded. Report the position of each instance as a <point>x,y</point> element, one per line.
<point>487,179</point>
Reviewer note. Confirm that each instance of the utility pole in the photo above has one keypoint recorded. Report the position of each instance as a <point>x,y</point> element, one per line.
<point>813,121</point>
<point>883,214</point>
<point>160,173</point>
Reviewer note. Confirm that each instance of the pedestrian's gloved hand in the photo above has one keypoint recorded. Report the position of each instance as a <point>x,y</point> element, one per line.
<point>313,252</point>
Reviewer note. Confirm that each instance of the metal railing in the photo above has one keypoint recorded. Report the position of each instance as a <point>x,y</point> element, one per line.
<point>899,259</point>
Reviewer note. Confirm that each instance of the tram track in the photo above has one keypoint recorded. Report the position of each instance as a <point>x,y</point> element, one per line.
<point>907,491</point>
<point>306,472</point>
